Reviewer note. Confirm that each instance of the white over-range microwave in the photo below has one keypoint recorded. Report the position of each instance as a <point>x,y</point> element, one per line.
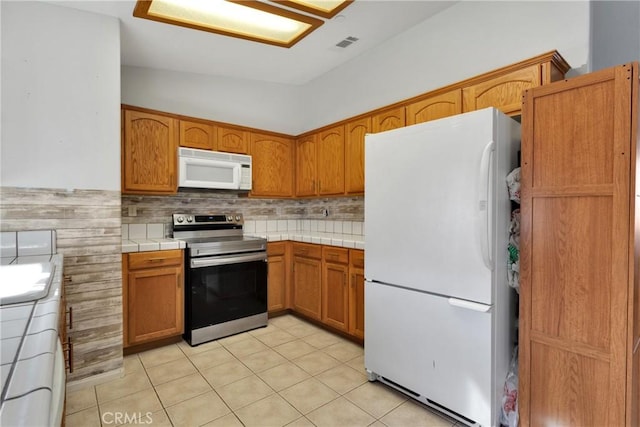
<point>213,169</point>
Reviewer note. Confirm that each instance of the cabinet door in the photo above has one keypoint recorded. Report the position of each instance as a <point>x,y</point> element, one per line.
<point>155,304</point>
<point>277,279</point>
<point>354,154</point>
<point>435,107</point>
<point>197,135</point>
<point>335,295</point>
<point>577,249</point>
<point>307,276</point>
<point>330,168</point>
<point>232,140</point>
<point>306,166</point>
<point>149,153</point>
<point>387,120</point>
<point>356,293</point>
<point>504,92</point>
<point>272,161</point>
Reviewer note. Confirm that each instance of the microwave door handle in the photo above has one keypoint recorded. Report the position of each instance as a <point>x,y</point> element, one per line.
<point>237,176</point>
<point>224,260</point>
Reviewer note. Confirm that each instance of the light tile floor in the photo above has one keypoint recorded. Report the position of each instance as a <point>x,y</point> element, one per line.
<point>290,373</point>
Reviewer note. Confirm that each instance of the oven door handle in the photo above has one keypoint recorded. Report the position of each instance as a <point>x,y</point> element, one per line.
<point>224,260</point>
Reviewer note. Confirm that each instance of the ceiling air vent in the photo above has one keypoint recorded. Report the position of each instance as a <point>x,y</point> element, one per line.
<point>346,42</point>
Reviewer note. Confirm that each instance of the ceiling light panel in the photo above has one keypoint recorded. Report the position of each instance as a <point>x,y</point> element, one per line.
<point>324,8</point>
<point>247,19</point>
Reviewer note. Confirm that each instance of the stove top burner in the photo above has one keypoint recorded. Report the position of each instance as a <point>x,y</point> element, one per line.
<point>214,234</point>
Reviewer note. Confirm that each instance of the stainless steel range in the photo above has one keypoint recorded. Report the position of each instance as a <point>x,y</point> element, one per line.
<point>225,276</point>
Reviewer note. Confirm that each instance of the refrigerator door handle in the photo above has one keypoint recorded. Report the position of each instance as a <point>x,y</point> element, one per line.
<point>469,305</point>
<point>484,205</point>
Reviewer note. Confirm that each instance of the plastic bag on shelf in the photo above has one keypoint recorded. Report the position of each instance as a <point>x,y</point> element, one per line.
<point>509,408</point>
<point>513,249</point>
<point>513,183</point>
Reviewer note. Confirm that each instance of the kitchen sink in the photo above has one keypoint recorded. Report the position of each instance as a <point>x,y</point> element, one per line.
<point>25,282</point>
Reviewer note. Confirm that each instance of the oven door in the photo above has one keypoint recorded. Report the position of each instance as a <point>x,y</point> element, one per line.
<point>225,288</point>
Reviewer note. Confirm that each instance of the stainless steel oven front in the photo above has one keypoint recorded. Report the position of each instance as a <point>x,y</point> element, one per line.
<point>225,281</point>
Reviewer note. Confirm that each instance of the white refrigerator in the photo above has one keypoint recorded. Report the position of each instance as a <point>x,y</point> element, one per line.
<point>439,315</point>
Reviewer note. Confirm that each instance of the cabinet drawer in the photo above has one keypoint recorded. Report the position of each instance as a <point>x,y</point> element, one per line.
<point>139,260</point>
<point>276,248</point>
<point>335,255</point>
<point>357,258</point>
<point>307,250</point>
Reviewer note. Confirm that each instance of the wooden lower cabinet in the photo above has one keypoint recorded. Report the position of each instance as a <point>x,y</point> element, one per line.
<point>335,290</point>
<point>356,293</point>
<point>153,295</point>
<point>278,279</point>
<point>327,284</point>
<point>307,278</point>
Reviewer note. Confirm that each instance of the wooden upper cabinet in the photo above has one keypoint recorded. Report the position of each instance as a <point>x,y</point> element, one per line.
<point>435,107</point>
<point>389,119</point>
<point>306,166</point>
<point>355,132</point>
<point>503,92</point>
<point>232,140</point>
<point>149,153</point>
<point>330,168</point>
<point>197,135</point>
<point>272,165</point>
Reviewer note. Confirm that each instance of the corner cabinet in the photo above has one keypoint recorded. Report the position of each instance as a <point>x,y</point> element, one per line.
<point>580,239</point>
<point>153,296</point>
<point>149,153</point>
<point>272,165</point>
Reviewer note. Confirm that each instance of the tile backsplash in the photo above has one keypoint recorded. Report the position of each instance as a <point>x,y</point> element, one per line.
<point>27,243</point>
<point>159,209</point>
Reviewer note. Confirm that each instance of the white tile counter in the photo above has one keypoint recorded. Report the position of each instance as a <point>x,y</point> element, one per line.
<point>29,339</point>
<point>346,234</point>
<point>331,239</point>
<point>147,237</point>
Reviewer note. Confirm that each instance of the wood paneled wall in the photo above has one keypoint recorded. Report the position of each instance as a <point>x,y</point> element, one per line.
<point>88,227</point>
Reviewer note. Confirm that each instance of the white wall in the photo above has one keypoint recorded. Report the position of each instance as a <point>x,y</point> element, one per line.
<point>262,105</point>
<point>462,41</point>
<point>615,33</point>
<point>469,38</point>
<point>60,98</point>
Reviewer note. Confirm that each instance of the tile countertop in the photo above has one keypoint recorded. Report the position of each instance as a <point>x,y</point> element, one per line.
<point>346,234</point>
<point>332,239</point>
<point>321,238</point>
<point>29,338</point>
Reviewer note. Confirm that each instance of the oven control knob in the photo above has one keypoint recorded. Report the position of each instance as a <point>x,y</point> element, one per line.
<point>189,219</point>
<point>229,218</point>
<point>238,218</point>
<point>180,219</point>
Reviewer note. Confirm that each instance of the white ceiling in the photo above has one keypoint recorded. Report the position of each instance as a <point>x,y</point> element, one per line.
<point>152,44</point>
